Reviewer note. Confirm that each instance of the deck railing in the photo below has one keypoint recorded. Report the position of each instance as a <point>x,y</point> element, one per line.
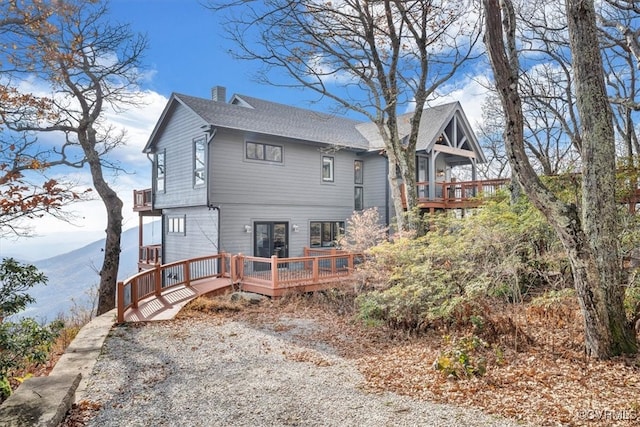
<point>460,191</point>
<point>142,200</point>
<point>150,255</point>
<point>269,276</point>
<point>156,280</point>
<point>276,275</point>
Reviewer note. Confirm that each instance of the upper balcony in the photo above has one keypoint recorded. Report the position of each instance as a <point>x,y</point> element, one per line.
<point>456,195</point>
<point>142,200</point>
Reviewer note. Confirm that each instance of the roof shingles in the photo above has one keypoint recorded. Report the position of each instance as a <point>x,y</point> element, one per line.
<point>277,119</point>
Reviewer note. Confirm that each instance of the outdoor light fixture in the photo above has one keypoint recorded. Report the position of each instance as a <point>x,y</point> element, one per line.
<point>247,229</point>
<point>295,228</point>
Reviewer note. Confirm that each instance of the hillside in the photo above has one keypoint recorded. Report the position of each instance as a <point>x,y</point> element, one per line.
<point>73,275</point>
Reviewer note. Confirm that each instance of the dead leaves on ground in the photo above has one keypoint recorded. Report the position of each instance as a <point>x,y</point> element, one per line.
<point>540,375</point>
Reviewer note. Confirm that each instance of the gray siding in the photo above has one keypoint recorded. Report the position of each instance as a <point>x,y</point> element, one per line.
<point>247,191</point>
<point>234,238</point>
<point>176,140</point>
<point>297,181</point>
<point>375,185</point>
<point>199,239</point>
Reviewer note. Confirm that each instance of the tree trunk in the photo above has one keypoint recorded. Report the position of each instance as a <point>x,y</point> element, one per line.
<point>396,190</point>
<point>609,334</point>
<point>113,206</point>
<point>590,241</point>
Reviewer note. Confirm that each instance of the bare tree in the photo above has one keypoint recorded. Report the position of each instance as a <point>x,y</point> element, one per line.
<point>376,58</point>
<point>92,65</point>
<point>490,132</point>
<point>621,61</point>
<point>25,190</point>
<point>589,237</point>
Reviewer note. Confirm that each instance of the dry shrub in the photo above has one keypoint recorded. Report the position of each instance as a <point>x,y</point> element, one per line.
<point>217,304</point>
<point>554,308</point>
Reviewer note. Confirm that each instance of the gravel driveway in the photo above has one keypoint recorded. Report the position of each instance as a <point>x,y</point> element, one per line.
<point>216,372</point>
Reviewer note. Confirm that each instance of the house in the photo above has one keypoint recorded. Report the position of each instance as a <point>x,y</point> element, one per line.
<point>260,178</point>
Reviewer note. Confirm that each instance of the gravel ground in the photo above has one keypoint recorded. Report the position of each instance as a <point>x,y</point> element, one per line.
<point>213,372</point>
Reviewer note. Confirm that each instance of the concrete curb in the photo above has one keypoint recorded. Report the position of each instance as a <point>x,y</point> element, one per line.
<point>45,401</point>
<point>40,401</point>
<point>83,352</point>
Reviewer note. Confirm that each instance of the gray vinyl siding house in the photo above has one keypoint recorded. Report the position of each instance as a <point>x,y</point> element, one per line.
<point>259,178</point>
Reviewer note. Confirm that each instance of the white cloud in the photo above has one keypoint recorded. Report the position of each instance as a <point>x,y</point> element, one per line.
<point>471,93</point>
<point>90,216</point>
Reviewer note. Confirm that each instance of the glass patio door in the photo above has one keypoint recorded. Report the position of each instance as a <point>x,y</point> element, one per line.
<point>271,238</point>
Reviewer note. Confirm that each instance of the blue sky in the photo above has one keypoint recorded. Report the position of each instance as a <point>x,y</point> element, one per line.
<point>187,54</point>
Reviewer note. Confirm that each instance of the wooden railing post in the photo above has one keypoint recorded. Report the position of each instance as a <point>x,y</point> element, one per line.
<point>120,302</point>
<point>316,269</point>
<point>157,276</point>
<point>134,293</point>
<point>223,264</point>
<point>233,267</point>
<point>186,269</point>
<point>274,271</point>
<point>240,266</point>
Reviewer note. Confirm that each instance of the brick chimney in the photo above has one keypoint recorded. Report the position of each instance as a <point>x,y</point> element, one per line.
<point>219,93</point>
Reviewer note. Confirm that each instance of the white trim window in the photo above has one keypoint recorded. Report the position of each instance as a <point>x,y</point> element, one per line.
<point>327,168</point>
<point>176,225</point>
<point>160,171</point>
<point>199,162</point>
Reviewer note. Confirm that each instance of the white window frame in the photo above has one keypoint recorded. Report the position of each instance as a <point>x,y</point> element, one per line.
<point>328,169</point>
<point>176,224</point>
<point>199,162</point>
<point>161,173</point>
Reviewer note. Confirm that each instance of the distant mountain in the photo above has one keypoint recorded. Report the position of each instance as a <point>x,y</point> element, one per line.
<point>73,276</point>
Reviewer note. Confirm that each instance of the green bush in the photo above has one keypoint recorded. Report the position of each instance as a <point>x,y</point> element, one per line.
<point>462,357</point>
<point>501,250</point>
<point>24,341</point>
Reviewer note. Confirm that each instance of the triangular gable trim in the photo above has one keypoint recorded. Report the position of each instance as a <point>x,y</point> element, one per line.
<point>470,139</point>
<point>171,103</point>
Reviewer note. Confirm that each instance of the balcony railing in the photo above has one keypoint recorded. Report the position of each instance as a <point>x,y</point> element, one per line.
<point>459,194</point>
<point>149,256</point>
<point>142,200</point>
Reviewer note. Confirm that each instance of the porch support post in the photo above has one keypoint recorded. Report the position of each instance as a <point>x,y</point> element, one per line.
<point>432,175</point>
<point>140,239</point>
<point>474,176</point>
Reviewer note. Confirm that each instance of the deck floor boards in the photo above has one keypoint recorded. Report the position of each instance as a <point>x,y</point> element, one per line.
<point>171,302</point>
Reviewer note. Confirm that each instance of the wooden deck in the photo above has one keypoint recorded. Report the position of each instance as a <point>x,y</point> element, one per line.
<point>160,292</point>
<point>167,305</point>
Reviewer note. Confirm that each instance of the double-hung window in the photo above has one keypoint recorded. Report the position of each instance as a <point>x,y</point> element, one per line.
<point>327,168</point>
<point>358,189</point>
<point>199,162</point>
<point>160,171</point>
